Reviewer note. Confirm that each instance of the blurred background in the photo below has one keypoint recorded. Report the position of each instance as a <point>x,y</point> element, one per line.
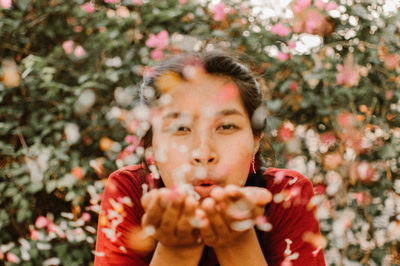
<point>69,114</point>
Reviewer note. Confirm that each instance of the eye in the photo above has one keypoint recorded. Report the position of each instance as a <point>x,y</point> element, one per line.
<point>228,127</point>
<point>179,130</point>
<point>182,129</point>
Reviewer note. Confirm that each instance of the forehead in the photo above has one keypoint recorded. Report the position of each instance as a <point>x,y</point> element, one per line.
<point>204,91</point>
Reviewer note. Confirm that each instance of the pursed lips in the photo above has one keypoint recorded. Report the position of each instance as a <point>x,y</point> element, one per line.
<point>204,187</point>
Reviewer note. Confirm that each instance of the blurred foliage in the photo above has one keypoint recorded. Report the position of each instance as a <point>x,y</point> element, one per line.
<point>69,92</point>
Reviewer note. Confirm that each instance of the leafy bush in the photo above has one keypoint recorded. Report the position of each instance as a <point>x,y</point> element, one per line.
<point>69,114</point>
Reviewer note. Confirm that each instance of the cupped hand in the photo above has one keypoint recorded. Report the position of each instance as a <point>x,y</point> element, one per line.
<point>230,212</point>
<point>169,217</point>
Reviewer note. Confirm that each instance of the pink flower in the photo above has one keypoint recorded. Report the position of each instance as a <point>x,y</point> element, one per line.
<point>137,2</point>
<point>319,3</point>
<point>53,228</point>
<point>78,172</point>
<point>131,139</point>
<point>285,132</point>
<point>159,41</point>
<point>328,139</point>
<point>314,21</point>
<point>331,6</point>
<point>281,30</point>
<point>5,4</point>
<point>391,61</point>
<point>182,1</point>
<point>365,172</point>
<point>300,5</point>
<point>112,1</point>
<point>88,7</point>
<point>79,51</point>
<point>389,94</point>
<point>282,56</point>
<point>68,46</point>
<point>11,257</point>
<point>86,217</point>
<point>293,86</point>
<point>41,222</point>
<point>291,44</point>
<point>157,54</point>
<point>348,74</point>
<point>345,119</point>
<point>219,12</point>
<point>34,234</point>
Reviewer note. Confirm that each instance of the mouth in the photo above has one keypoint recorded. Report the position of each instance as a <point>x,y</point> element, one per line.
<point>204,187</point>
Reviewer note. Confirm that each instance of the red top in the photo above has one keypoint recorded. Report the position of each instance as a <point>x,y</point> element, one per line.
<point>294,225</point>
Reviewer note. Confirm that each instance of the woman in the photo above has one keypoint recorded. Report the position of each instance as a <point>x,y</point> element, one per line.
<point>214,203</point>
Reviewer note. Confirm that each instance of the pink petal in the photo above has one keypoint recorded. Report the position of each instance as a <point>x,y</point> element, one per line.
<point>86,217</point>
<point>163,40</point>
<point>291,44</point>
<point>11,257</point>
<point>88,7</point>
<point>280,30</point>
<point>219,12</point>
<point>331,6</point>
<point>157,54</point>
<point>68,46</point>
<point>319,3</point>
<point>300,6</point>
<point>152,41</point>
<point>79,51</point>
<point>5,4</point>
<point>282,56</point>
<point>41,222</point>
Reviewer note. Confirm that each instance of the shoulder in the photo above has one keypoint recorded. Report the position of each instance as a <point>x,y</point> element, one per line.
<point>279,175</point>
<point>286,180</point>
<point>127,178</point>
<point>292,216</point>
<point>119,215</point>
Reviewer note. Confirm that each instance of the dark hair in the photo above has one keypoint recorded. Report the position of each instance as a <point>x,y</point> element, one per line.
<point>215,63</point>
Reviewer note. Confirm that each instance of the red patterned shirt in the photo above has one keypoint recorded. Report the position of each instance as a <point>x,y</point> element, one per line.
<point>292,215</point>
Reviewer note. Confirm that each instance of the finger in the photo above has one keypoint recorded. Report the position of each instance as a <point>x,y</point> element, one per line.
<point>240,209</point>
<point>184,228</point>
<point>258,211</point>
<point>259,196</point>
<point>218,224</point>
<point>207,233</point>
<point>171,215</point>
<point>233,192</point>
<point>147,198</point>
<point>217,194</point>
<point>154,212</point>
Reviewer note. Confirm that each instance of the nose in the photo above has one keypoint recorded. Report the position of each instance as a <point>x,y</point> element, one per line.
<point>203,152</point>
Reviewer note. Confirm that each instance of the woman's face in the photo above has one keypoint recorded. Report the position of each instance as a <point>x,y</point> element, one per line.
<point>202,134</point>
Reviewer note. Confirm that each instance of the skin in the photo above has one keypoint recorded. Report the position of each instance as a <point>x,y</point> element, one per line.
<point>204,135</point>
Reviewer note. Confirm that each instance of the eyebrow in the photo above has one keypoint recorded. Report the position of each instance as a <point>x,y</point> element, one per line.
<point>225,112</point>
<point>172,115</point>
<point>228,112</point>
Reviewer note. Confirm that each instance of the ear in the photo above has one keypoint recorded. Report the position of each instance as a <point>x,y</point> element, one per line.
<point>257,140</point>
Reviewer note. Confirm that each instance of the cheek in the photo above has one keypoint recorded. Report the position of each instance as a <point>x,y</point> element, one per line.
<point>170,160</point>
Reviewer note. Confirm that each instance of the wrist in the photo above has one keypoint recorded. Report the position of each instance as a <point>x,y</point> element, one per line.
<point>183,255</point>
<point>245,250</point>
